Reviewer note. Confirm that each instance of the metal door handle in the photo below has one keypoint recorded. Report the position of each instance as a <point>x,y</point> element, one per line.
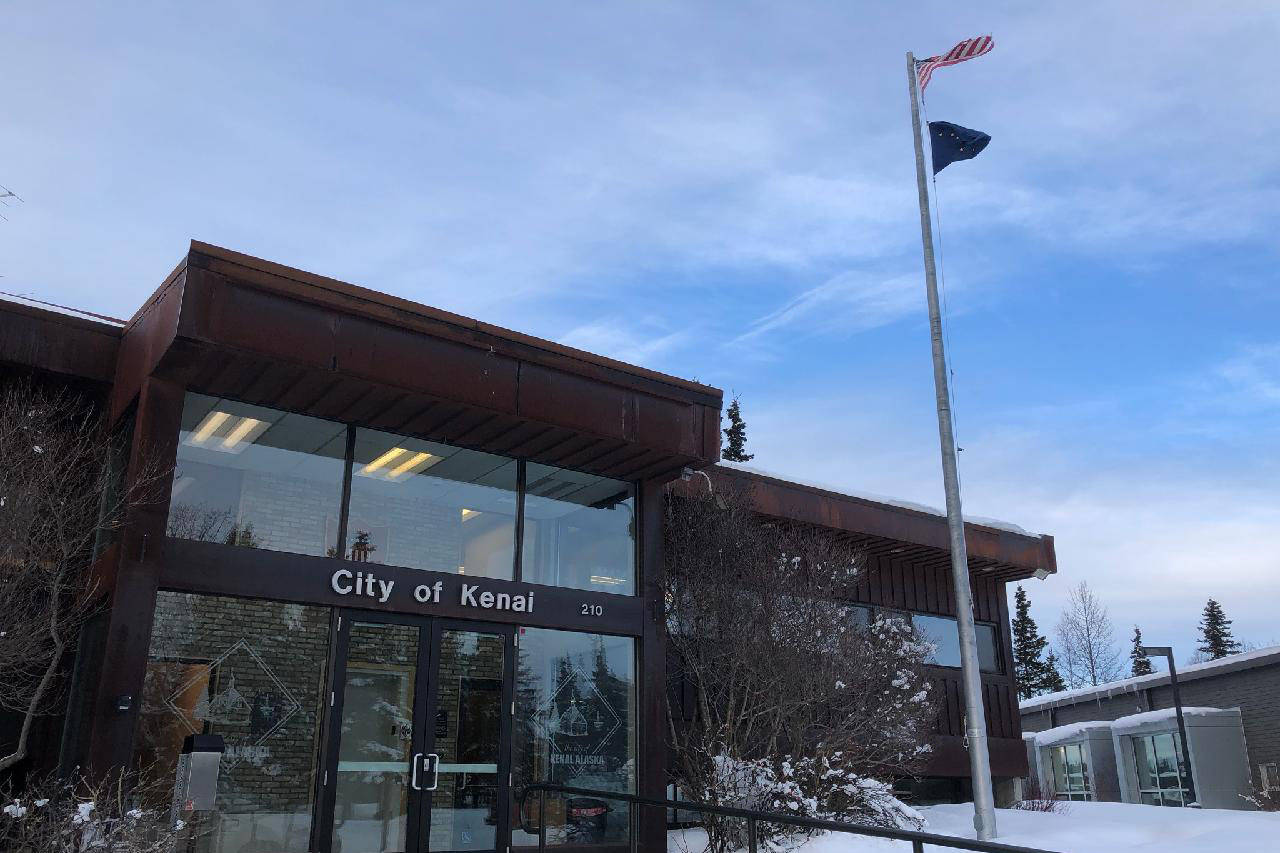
<point>433,767</point>
<point>413,778</point>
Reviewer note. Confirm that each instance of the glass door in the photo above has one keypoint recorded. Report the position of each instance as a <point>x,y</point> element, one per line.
<point>417,737</point>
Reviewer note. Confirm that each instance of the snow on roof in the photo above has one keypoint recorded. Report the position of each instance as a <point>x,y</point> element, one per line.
<point>1070,732</point>
<point>1257,657</point>
<point>874,498</point>
<point>1146,718</point>
<point>54,308</point>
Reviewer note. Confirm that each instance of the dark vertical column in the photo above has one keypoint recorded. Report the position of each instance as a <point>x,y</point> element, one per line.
<point>133,597</point>
<point>651,742</point>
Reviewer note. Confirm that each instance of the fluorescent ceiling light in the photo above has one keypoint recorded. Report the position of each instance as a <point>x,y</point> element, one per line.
<point>605,579</point>
<point>384,459</point>
<point>208,426</point>
<point>236,432</point>
<point>414,462</point>
<point>243,433</point>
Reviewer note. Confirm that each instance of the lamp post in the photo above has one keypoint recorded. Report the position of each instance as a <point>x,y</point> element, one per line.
<point>1167,653</point>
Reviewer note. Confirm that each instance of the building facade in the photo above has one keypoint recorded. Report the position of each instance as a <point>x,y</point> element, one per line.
<point>404,563</point>
<point>1238,702</point>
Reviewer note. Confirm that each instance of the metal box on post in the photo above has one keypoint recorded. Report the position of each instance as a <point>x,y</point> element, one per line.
<point>195,786</point>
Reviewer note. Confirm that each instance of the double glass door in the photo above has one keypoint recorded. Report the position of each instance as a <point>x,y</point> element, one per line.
<point>419,736</point>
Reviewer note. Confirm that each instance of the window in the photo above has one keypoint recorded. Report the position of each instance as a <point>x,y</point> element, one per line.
<point>579,531</point>
<point>253,672</point>
<point>1269,774</point>
<point>1070,768</point>
<point>256,477</point>
<point>575,724</point>
<point>430,506</point>
<point>1158,764</point>
<point>945,634</point>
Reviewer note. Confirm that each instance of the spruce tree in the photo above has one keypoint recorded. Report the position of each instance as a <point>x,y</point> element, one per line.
<point>735,435</point>
<point>1034,674</point>
<point>1052,682</point>
<point>1141,663</point>
<point>1215,633</point>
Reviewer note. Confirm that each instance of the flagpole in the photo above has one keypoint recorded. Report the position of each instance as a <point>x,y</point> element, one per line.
<point>984,816</point>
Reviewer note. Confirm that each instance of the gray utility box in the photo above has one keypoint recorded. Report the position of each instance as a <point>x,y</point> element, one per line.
<point>195,786</point>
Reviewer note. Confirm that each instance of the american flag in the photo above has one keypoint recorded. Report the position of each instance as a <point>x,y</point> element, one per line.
<point>967,49</point>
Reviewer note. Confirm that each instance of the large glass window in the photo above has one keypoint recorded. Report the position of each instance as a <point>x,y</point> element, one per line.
<point>256,477</point>
<point>1070,772</point>
<point>944,633</point>
<point>575,725</point>
<point>251,671</point>
<point>1158,763</point>
<point>579,531</point>
<point>431,506</point>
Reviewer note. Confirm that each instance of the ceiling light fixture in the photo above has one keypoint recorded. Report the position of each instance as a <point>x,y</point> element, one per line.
<point>415,461</point>
<point>243,433</point>
<point>208,426</point>
<point>384,459</point>
<point>605,579</point>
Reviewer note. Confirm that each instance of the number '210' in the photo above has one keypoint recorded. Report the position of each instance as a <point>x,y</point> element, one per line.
<point>593,610</point>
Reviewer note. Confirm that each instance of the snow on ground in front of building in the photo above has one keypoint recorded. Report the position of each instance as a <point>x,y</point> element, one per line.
<point>1082,828</point>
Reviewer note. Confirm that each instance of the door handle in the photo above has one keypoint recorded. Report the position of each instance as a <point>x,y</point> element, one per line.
<point>433,767</point>
<point>413,778</point>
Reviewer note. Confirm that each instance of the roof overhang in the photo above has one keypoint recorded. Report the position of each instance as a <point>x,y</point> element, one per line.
<point>69,345</point>
<point>232,325</point>
<point>897,532</point>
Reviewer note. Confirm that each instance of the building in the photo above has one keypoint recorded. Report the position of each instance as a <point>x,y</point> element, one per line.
<point>407,562</point>
<point>1233,733</point>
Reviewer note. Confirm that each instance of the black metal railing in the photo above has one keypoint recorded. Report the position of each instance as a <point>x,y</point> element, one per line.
<point>634,803</point>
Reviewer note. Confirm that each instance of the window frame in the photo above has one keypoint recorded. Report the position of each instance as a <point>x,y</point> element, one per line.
<point>875,610</point>
<point>1160,793</point>
<point>522,464</point>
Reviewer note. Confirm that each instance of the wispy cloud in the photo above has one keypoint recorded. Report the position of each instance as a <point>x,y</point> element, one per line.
<point>844,304</point>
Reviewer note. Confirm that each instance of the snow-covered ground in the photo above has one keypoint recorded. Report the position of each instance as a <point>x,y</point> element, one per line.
<point>1083,828</point>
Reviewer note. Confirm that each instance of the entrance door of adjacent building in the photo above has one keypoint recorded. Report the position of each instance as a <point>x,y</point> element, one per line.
<point>419,734</point>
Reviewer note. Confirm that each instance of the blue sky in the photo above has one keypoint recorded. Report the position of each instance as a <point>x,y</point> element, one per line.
<point>725,191</point>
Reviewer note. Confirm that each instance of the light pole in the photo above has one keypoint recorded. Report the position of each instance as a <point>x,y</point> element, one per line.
<point>1167,653</point>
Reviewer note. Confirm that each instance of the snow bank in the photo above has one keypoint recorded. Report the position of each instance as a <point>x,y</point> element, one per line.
<point>981,521</point>
<point>1132,685</point>
<point>1083,828</point>
<point>1070,732</point>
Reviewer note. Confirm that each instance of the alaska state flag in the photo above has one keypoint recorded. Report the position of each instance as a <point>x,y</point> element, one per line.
<point>951,142</point>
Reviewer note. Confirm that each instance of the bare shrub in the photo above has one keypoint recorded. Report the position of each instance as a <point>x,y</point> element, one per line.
<point>52,816</point>
<point>798,705</point>
<point>1034,799</point>
<point>59,493</point>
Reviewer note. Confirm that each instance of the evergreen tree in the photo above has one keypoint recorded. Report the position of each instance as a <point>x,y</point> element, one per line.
<point>1141,663</point>
<point>1053,682</point>
<point>735,436</point>
<point>1215,633</point>
<point>1034,674</point>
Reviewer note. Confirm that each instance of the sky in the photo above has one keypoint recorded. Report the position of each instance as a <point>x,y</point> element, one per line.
<point>725,192</point>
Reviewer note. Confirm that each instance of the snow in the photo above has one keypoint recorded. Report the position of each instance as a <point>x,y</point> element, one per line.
<point>1069,732</point>
<point>1132,685</point>
<point>1137,721</point>
<point>981,521</point>
<point>1082,828</point>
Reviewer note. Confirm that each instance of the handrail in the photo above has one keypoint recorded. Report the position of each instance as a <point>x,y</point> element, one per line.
<point>917,839</point>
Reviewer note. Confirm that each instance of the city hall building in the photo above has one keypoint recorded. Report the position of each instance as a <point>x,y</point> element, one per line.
<point>405,563</point>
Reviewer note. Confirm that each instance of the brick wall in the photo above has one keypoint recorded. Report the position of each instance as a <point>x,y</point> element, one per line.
<point>253,672</point>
